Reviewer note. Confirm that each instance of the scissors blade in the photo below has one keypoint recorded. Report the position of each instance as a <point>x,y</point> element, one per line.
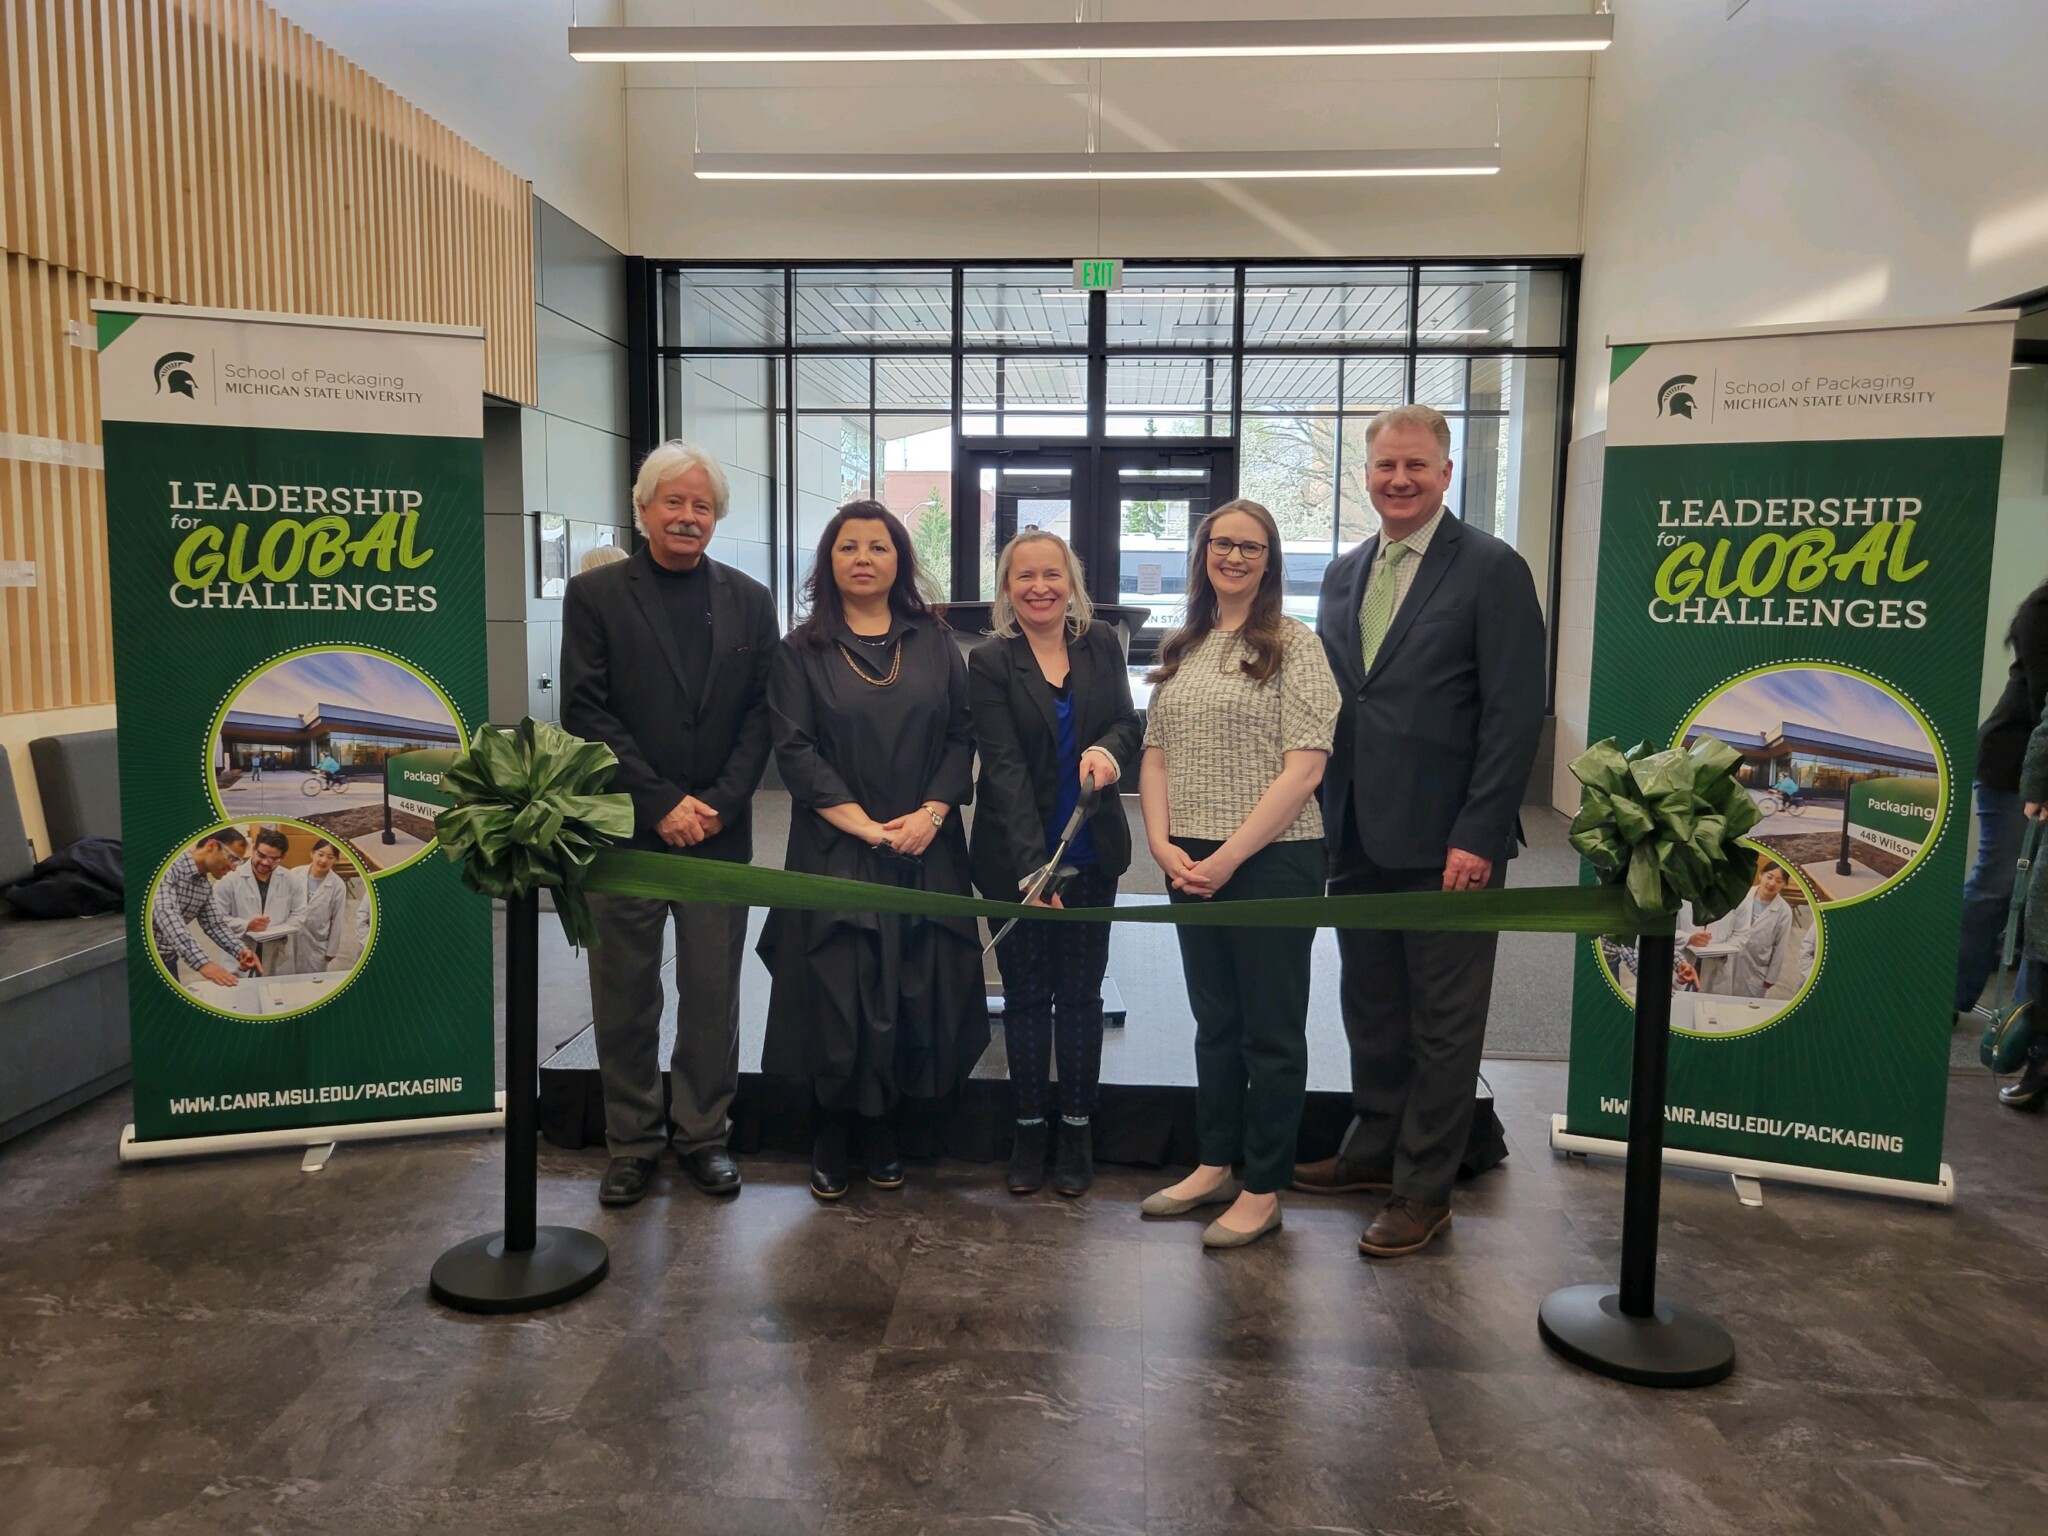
<point>1031,893</point>
<point>1084,807</point>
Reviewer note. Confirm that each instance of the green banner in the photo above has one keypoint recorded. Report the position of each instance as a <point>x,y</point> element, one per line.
<point>1795,546</point>
<point>294,510</point>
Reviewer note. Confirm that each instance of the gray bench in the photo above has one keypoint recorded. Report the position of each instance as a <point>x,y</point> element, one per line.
<point>63,982</point>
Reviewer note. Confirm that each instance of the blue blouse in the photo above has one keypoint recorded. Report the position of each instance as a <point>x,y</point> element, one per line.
<point>1080,852</point>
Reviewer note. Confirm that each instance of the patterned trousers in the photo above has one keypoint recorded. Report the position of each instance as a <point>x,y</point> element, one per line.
<point>1052,997</point>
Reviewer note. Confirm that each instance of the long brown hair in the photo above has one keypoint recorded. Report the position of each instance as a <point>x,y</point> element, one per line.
<point>1261,636</point>
<point>821,592</point>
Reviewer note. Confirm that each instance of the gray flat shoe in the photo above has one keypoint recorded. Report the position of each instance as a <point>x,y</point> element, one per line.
<point>1160,1203</point>
<point>1217,1235</point>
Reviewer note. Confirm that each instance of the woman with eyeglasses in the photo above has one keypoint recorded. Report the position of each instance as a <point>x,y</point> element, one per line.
<point>1051,703</point>
<point>1243,707</point>
<point>867,703</point>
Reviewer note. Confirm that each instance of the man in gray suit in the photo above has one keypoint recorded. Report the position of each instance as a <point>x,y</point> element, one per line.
<point>665,660</point>
<point>1434,633</point>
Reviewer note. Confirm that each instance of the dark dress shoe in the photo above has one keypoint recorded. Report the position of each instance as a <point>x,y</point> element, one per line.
<point>1403,1226</point>
<point>1335,1176</point>
<point>1073,1159</point>
<point>626,1181</point>
<point>878,1143</point>
<point>1027,1159</point>
<point>2031,1091</point>
<point>828,1160</point>
<point>712,1170</point>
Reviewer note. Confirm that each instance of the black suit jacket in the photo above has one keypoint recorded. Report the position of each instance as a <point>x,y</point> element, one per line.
<point>623,685</point>
<point>1434,747</point>
<point>1016,731</point>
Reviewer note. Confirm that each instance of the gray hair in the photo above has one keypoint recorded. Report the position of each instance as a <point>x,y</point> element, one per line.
<point>604,554</point>
<point>676,457</point>
<point>1426,417</point>
<point>1080,612</point>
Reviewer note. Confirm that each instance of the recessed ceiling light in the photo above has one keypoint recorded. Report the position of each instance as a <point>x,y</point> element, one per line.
<point>1177,165</point>
<point>1091,40</point>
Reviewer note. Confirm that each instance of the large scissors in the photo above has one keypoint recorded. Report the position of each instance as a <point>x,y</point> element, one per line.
<point>1043,880</point>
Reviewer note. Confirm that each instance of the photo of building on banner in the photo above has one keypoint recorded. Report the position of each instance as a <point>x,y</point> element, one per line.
<point>1796,538</point>
<point>312,734</point>
<point>1846,772</point>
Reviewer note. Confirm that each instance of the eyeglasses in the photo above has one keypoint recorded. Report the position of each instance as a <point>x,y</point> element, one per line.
<point>1251,549</point>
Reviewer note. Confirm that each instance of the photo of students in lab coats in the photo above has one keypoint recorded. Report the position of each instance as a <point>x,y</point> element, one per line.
<point>1742,970</point>
<point>275,924</point>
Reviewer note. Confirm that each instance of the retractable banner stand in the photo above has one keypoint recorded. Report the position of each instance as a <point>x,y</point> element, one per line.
<point>295,514</point>
<point>1795,548</point>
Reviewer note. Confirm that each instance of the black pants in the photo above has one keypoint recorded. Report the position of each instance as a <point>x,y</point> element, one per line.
<point>1415,1016</point>
<point>1052,994</point>
<point>1248,989</point>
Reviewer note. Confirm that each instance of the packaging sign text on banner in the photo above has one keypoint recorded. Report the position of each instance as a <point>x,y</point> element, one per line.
<point>295,514</point>
<point>1795,547</point>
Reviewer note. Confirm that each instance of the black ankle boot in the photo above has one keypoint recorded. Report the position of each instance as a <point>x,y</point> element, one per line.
<point>828,1158</point>
<point>1073,1168</point>
<point>1027,1158</point>
<point>2031,1091</point>
<point>878,1142</point>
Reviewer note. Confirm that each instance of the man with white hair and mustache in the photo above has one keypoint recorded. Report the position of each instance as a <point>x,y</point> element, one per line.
<point>665,660</point>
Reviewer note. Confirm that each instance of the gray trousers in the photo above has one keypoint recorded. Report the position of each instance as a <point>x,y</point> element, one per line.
<point>626,997</point>
<point>1415,1009</point>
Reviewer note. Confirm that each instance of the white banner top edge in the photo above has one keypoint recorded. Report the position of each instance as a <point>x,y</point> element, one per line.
<point>1822,328</point>
<point>1924,379</point>
<point>274,317</point>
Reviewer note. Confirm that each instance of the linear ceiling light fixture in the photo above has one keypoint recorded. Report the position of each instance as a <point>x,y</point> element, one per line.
<point>1091,40</point>
<point>1177,165</point>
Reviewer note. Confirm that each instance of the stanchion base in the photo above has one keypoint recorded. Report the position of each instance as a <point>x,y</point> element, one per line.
<point>1679,1347</point>
<point>480,1276</point>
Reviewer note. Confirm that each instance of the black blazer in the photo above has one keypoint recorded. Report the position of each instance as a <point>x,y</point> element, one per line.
<point>1434,748</point>
<point>1016,730</point>
<point>622,684</point>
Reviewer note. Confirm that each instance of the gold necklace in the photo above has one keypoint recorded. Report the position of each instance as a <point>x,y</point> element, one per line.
<point>861,672</point>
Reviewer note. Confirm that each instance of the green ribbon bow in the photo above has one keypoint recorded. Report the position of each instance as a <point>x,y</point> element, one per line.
<point>528,813</point>
<point>1664,824</point>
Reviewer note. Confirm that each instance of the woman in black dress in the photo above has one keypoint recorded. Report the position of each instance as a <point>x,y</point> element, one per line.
<point>868,704</point>
<point>1051,701</point>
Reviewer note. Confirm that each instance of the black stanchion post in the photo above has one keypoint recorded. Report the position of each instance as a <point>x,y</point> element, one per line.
<point>525,1266</point>
<point>1626,1332</point>
<point>1842,864</point>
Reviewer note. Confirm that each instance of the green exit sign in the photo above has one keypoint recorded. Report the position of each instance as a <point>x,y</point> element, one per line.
<point>1098,274</point>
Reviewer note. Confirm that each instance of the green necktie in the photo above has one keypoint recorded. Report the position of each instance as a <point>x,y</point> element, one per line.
<point>1376,613</point>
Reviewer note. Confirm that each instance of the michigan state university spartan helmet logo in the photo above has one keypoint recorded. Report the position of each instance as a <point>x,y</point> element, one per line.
<point>173,373</point>
<point>1673,398</point>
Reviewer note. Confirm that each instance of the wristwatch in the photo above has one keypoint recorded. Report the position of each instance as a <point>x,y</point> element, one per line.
<point>937,819</point>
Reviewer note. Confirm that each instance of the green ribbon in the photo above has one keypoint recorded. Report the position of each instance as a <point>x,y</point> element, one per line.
<point>1659,827</point>
<point>1663,825</point>
<point>528,812</point>
<point>1547,909</point>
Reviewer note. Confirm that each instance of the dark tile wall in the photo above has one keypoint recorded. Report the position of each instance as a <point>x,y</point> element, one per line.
<point>569,456</point>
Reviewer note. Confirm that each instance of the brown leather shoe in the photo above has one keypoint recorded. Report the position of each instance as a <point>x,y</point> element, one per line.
<point>1335,1176</point>
<point>1403,1226</point>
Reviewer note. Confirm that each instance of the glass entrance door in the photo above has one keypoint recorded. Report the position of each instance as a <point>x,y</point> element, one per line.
<point>1128,510</point>
<point>1012,489</point>
<point>1154,499</point>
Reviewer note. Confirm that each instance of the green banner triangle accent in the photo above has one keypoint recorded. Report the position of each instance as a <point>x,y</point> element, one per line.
<point>1621,358</point>
<point>111,327</point>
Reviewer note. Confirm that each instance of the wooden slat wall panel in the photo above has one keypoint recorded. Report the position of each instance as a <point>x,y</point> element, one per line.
<point>206,152</point>
<point>58,645</point>
<point>210,152</point>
